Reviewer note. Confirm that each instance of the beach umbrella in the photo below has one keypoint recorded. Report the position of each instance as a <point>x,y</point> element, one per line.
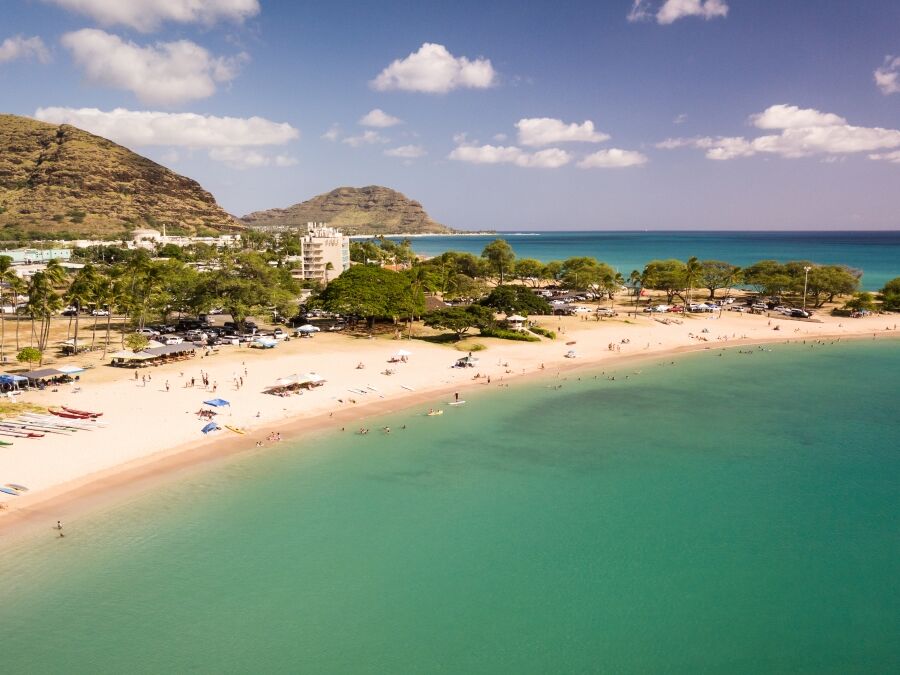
<point>216,402</point>
<point>212,426</point>
<point>308,328</point>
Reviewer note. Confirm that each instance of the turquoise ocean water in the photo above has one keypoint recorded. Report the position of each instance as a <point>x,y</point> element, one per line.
<point>877,254</point>
<point>733,514</point>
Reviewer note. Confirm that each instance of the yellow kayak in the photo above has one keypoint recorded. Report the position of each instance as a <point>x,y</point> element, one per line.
<point>236,430</point>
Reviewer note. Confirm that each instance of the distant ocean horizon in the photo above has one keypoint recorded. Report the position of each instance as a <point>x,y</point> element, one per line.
<point>875,252</point>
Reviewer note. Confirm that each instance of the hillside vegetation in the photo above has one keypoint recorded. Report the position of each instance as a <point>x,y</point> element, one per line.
<point>60,181</point>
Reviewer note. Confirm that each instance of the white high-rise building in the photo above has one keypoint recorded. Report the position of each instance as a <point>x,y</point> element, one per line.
<point>320,246</point>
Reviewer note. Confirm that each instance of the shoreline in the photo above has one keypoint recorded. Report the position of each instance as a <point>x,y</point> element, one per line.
<point>94,490</point>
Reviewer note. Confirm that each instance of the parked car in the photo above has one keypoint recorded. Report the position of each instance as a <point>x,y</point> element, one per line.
<point>606,311</point>
<point>69,311</point>
<point>147,332</point>
<point>100,312</point>
<point>173,340</point>
<point>800,314</point>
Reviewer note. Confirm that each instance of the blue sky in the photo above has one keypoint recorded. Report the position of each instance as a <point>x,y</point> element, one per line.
<point>616,114</point>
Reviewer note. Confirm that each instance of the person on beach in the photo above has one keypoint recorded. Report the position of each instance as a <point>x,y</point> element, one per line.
<point>456,396</point>
<point>58,525</point>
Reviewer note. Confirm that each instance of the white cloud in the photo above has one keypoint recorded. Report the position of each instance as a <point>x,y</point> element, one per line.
<point>21,47</point>
<point>434,70</point>
<point>680,119</point>
<point>170,157</point>
<point>501,138</point>
<point>248,158</point>
<point>147,15</point>
<point>887,77</point>
<point>379,119</point>
<point>166,73</point>
<point>804,133</point>
<point>547,131</point>
<point>672,10</point>
<point>137,128</point>
<point>613,158</point>
<point>893,157</point>
<point>551,158</point>
<point>783,116</point>
<point>406,152</point>
<point>640,11</point>
<point>365,138</point>
<point>333,133</point>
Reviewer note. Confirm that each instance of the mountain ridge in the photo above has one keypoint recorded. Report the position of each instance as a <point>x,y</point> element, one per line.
<point>61,180</point>
<point>368,210</point>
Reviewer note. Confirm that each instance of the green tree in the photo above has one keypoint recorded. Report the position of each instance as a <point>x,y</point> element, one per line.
<point>530,271</point>
<point>890,295</point>
<point>136,342</point>
<point>29,355</point>
<point>367,291</point>
<point>768,277</point>
<point>716,274</point>
<point>861,301</point>
<point>460,320</point>
<point>516,300</point>
<point>500,257</point>
<point>668,276</point>
<point>829,281</point>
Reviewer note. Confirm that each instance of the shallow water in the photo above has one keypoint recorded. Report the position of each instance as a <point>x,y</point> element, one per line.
<point>723,514</point>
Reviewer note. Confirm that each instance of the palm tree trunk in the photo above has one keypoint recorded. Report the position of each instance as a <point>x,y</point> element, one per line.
<point>106,346</point>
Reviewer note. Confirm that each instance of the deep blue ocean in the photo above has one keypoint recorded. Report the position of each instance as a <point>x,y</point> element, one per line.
<point>877,254</point>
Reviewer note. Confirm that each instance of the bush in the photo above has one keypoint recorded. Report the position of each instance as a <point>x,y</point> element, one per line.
<point>505,334</point>
<point>544,331</point>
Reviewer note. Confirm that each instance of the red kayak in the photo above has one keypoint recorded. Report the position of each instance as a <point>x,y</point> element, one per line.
<point>68,415</point>
<point>84,413</point>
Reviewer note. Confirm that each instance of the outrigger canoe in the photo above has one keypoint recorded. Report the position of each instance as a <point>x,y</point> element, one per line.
<point>68,415</point>
<point>82,412</point>
<point>434,413</point>
<point>16,486</point>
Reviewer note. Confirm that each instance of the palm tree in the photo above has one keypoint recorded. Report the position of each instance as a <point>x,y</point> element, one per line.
<point>43,301</point>
<point>80,294</point>
<point>6,275</point>
<point>105,296</point>
<point>691,272</point>
<point>18,287</point>
<point>328,267</point>
<point>635,280</point>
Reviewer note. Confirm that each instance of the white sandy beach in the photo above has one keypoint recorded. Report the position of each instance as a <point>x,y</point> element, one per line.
<point>146,426</point>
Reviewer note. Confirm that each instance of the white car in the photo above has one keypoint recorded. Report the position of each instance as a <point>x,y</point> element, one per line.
<point>147,332</point>
<point>100,312</point>
<point>173,340</point>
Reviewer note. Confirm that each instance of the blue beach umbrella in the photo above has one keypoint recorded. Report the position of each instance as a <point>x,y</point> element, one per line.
<point>212,426</point>
<point>217,402</point>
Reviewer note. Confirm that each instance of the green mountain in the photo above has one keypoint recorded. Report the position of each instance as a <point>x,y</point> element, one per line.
<point>60,181</point>
<point>366,210</point>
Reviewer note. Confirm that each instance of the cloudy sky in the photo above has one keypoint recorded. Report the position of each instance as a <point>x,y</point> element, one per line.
<point>603,114</point>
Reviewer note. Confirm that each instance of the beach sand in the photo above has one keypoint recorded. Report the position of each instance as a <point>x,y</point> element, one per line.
<point>150,432</point>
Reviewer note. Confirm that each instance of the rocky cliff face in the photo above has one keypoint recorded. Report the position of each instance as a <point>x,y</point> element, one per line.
<point>60,180</point>
<point>367,210</point>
